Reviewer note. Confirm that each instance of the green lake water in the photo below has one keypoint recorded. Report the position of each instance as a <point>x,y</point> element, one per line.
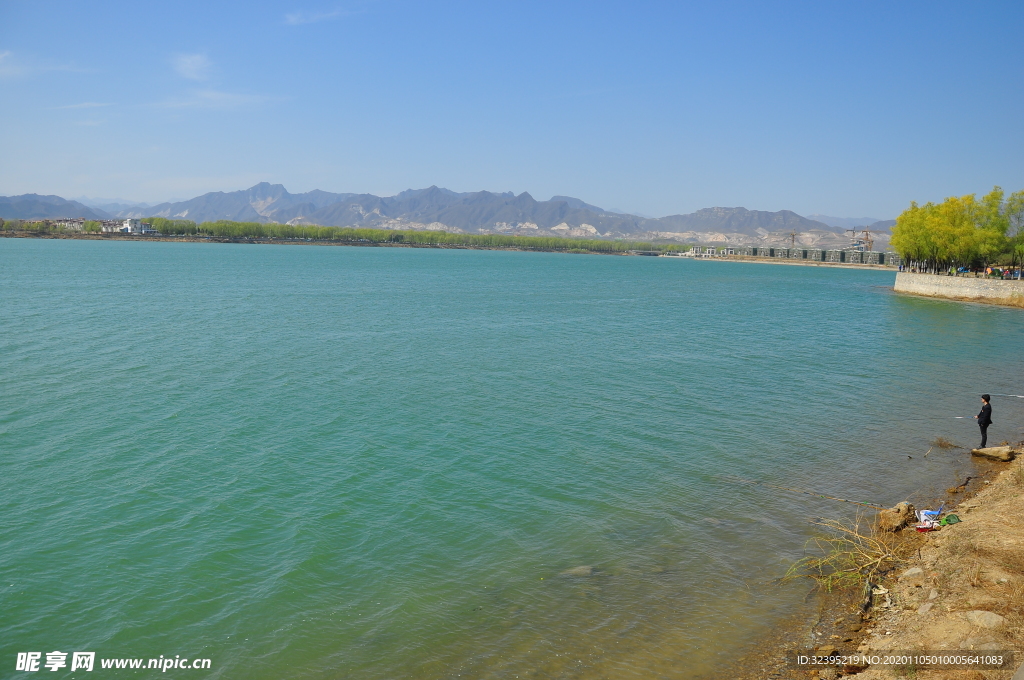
<point>339,462</point>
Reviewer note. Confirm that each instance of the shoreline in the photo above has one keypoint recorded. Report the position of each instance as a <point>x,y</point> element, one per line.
<point>1005,293</point>
<point>76,236</point>
<point>275,242</point>
<point>962,590</point>
<point>795,263</point>
<point>997,302</point>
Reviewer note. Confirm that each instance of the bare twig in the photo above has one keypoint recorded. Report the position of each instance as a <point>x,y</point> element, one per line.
<point>847,556</point>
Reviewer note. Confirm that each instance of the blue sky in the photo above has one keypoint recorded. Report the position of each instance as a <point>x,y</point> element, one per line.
<point>841,108</point>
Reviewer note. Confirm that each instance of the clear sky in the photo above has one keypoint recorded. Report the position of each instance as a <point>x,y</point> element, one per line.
<point>841,108</point>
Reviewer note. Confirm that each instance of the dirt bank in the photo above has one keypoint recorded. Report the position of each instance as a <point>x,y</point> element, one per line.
<point>965,589</point>
<point>957,589</point>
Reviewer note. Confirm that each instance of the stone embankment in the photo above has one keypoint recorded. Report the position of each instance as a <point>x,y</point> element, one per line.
<point>971,289</point>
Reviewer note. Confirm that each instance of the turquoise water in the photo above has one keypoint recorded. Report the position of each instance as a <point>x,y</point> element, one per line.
<point>320,462</point>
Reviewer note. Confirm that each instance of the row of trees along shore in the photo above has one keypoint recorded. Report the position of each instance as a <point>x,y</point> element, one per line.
<point>962,232</point>
<point>258,230</point>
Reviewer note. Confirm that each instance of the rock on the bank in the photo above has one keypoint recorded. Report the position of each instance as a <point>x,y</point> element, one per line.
<point>1003,453</point>
<point>984,619</point>
<point>896,518</point>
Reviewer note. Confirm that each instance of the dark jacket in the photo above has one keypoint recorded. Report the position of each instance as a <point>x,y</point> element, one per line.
<point>985,416</point>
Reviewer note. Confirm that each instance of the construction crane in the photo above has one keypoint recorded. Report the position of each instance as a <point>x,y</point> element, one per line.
<point>866,238</point>
<point>792,239</point>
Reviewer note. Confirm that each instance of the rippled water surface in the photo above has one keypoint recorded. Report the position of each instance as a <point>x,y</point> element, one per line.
<point>320,462</point>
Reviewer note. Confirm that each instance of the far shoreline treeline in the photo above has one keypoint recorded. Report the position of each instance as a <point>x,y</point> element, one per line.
<point>225,229</point>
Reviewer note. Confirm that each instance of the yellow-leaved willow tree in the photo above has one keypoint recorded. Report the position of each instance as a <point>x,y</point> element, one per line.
<point>961,231</point>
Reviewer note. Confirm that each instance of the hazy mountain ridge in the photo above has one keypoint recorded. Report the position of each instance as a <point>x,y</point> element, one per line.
<point>36,206</point>
<point>115,209</point>
<point>473,212</point>
<point>743,221</point>
<point>872,223</point>
<point>110,206</point>
<point>844,222</point>
<point>264,202</point>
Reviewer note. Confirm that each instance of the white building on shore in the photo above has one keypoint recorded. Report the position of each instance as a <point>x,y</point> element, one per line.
<point>130,225</point>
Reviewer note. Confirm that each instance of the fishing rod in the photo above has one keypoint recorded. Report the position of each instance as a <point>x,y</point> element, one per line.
<point>740,480</point>
<point>1019,396</point>
<point>941,418</point>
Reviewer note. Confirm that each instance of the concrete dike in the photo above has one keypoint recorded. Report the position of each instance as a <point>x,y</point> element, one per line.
<point>971,289</point>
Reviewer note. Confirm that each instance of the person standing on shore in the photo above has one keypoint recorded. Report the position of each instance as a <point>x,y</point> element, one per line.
<point>984,419</point>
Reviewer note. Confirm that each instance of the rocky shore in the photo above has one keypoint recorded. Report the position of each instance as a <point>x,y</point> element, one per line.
<point>964,591</point>
<point>958,589</point>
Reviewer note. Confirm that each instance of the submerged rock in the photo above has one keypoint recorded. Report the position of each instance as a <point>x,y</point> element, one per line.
<point>584,570</point>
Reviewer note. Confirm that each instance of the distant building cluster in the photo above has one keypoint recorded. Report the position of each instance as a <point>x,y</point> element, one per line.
<point>127,226</point>
<point>851,255</point>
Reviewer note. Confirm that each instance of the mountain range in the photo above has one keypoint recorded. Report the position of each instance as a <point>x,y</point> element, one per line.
<point>441,209</point>
<point>36,207</point>
<point>854,222</point>
<point>110,206</point>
